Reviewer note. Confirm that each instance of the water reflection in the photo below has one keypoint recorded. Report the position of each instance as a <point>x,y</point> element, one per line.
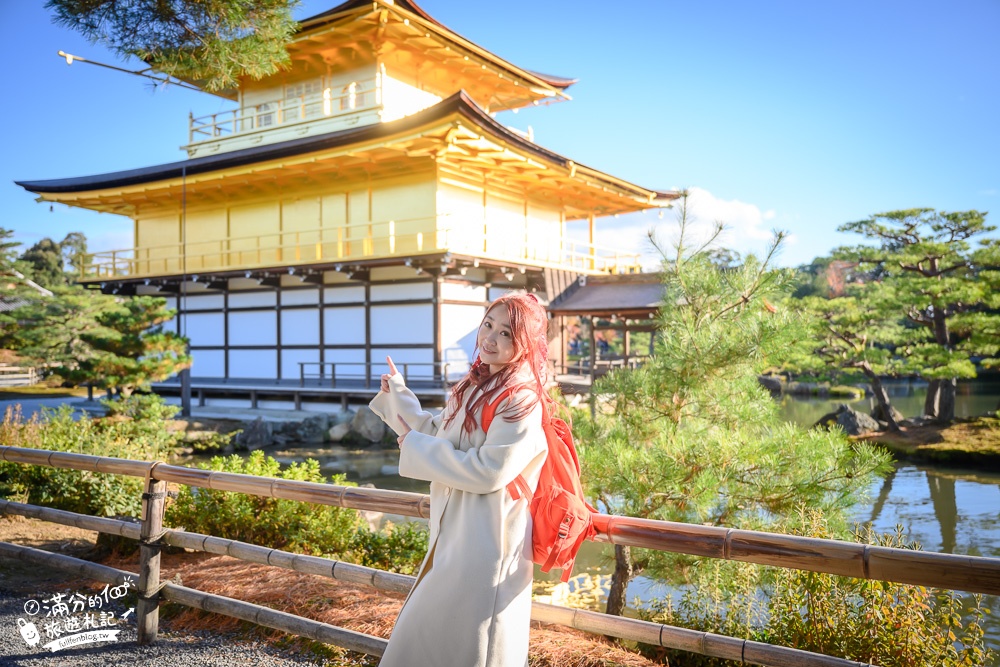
<point>950,512</point>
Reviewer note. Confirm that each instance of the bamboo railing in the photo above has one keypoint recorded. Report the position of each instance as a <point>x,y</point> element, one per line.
<point>962,573</point>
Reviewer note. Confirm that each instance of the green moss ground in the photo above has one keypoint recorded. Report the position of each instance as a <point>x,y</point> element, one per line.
<point>966,443</point>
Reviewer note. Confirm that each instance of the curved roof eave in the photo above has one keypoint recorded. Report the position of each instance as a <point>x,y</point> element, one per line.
<point>559,82</point>
<point>459,103</point>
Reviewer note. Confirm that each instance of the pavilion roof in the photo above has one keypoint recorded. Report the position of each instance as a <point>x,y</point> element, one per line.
<point>410,10</point>
<point>636,295</point>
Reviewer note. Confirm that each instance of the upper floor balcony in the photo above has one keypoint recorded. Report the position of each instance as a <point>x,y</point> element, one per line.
<point>313,111</point>
<point>405,239</point>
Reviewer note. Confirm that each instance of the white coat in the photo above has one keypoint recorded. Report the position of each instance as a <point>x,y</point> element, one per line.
<point>471,603</point>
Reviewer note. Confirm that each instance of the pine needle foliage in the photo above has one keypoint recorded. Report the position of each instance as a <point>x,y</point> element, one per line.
<point>210,42</point>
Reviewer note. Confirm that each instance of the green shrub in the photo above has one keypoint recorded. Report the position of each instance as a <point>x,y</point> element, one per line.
<point>395,548</point>
<point>291,525</point>
<point>135,429</point>
<point>887,624</point>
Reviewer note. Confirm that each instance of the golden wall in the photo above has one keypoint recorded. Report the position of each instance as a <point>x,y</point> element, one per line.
<point>360,221</point>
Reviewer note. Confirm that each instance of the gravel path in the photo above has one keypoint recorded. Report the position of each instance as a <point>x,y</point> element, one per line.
<point>171,649</point>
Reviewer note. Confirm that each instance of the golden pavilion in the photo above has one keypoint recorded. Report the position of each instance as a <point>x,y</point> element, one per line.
<point>363,202</point>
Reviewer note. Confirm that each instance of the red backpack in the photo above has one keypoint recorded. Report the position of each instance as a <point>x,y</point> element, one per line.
<point>561,519</point>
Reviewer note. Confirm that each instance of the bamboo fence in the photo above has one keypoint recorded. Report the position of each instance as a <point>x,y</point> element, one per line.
<point>962,573</point>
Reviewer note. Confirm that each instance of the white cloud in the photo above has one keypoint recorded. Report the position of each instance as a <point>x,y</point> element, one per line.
<point>746,230</point>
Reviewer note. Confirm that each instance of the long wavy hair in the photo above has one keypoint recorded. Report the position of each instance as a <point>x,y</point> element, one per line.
<point>528,326</point>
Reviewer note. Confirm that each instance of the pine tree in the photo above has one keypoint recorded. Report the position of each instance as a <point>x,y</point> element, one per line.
<point>692,436</point>
<point>212,42</point>
<point>844,334</point>
<point>931,278</point>
<point>51,331</point>
<point>7,252</point>
<point>90,338</point>
<point>130,347</point>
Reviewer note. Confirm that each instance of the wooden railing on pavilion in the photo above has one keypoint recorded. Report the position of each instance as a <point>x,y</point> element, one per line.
<point>961,573</point>
<point>351,242</point>
<point>291,110</point>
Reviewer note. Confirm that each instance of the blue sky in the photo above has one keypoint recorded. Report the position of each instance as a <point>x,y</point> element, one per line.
<point>792,115</point>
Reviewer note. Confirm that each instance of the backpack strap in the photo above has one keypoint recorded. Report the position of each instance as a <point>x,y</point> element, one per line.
<point>490,409</point>
<point>519,487</point>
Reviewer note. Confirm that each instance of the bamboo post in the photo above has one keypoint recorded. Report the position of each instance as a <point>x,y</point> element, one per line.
<point>150,541</point>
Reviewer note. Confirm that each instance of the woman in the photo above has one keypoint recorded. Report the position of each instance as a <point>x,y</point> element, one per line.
<point>471,603</point>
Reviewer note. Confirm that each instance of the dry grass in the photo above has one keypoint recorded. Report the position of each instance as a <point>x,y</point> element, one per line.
<point>355,607</point>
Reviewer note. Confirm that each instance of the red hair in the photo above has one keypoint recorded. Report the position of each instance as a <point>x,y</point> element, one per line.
<point>528,326</point>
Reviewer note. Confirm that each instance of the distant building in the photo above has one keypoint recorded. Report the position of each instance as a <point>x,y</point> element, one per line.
<point>365,202</point>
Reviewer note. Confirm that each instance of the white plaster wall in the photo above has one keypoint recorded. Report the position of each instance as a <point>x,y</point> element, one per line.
<point>253,328</point>
<point>344,326</point>
<point>208,363</point>
<point>206,329</point>
<point>392,325</point>
<point>300,327</point>
<point>402,291</point>
<point>253,300</point>
<point>345,356</point>
<point>204,302</point>
<point>290,363</point>
<point>459,325</point>
<point>351,294</point>
<point>299,297</point>
<point>462,292</point>
<point>252,363</point>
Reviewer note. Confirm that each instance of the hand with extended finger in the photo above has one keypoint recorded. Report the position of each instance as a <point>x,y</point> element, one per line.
<point>386,376</point>
<point>405,432</point>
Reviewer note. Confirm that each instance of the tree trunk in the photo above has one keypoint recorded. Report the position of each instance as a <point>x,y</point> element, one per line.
<point>946,401</point>
<point>619,580</point>
<point>931,402</point>
<point>881,396</point>
<point>883,402</point>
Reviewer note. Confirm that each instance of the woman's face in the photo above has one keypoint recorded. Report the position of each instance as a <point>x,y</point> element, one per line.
<point>496,343</point>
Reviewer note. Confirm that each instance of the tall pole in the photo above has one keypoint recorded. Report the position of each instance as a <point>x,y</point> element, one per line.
<point>182,306</point>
